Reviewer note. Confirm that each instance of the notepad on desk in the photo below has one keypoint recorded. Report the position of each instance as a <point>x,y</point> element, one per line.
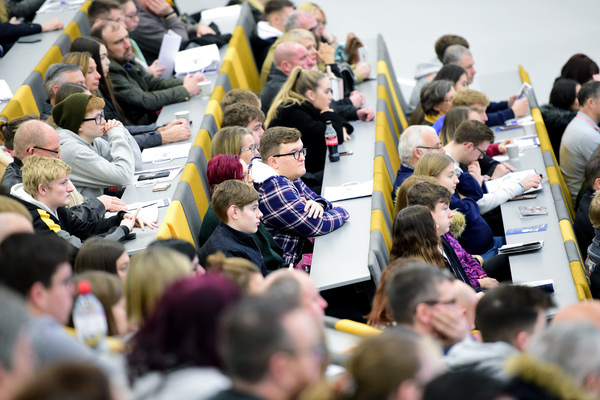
<point>350,190</point>
<point>494,185</point>
<point>162,154</point>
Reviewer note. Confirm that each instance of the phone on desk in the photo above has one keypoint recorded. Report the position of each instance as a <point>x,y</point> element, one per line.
<point>161,187</point>
<point>153,175</point>
<point>525,197</point>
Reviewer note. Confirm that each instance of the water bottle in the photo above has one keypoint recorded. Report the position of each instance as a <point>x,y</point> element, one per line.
<point>89,318</point>
<point>331,140</point>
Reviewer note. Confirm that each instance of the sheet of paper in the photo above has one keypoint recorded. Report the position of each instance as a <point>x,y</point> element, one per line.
<point>171,43</point>
<point>351,190</point>
<point>52,6</point>
<point>166,153</point>
<point>512,177</point>
<point>5,92</point>
<point>224,17</point>
<point>148,209</point>
<point>203,59</point>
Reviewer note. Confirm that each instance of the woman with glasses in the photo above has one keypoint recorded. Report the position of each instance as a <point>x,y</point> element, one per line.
<point>436,101</point>
<point>221,168</point>
<point>235,141</point>
<point>91,55</point>
<point>97,164</point>
<point>304,103</point>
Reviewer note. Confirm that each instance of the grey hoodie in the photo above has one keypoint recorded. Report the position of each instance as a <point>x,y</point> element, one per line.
<point>422,75</point>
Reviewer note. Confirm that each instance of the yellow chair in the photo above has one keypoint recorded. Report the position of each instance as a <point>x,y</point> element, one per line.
<point>175,224</point>
<point>191,175</point>
<point>352,327</point>
<point>239,41</point>
<point>382,68</point>
<point>73,30</point>
<point>382,93</point>
<point>378,224</point>
<point>84,7</point>
<point>383,134</point>
<point>383,183</point>
<point>232,66</point>
<point>53,56</point>
<point>218,93</point>
<point>214,107</point>
<point>203,140</point>
<point>21,104</point>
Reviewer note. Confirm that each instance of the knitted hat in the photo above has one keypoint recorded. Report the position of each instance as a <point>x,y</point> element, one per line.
<point>70,112</point>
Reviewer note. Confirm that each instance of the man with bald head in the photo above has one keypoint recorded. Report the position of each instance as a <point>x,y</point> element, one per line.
<point>38,138</point>
<point>286,57</point>
<point>300,19</point>
<point>12,222</point>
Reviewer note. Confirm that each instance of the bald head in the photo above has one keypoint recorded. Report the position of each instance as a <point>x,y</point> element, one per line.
<point>12,222</point>
<point>32,134</point>
<point>288,55</point>
<point>286,282</point>
<point>300,19</point>
<point>584,311</point>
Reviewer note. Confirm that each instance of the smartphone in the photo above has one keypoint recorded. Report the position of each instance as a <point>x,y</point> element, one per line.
<point>29,40</point>
<point>346,153</point>
<point>161,187</point>
<point>153,175</point>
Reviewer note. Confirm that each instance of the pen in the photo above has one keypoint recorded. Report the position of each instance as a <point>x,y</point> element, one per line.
<point>507,167</point>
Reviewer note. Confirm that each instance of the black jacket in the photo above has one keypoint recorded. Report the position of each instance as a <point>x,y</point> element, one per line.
<point>556,121</point>
<point>584,231</point>
<point>90,210</point>
<point>232,243</point>
<point>312,124</point>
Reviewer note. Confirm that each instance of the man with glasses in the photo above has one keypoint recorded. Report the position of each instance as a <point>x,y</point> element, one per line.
<point>40,139</point>
<point>415,141</point>
<point>422,298</point>
<point>291,211</point>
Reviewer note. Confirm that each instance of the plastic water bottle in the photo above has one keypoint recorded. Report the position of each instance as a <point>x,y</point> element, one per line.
<point>89,318</point>
<point>331,140</point>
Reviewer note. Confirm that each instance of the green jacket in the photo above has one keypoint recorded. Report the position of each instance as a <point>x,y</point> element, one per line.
<point>141,94</point>
<point>270,250</point>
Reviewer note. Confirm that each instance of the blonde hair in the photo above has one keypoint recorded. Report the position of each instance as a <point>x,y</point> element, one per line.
<point>432,164</point>
<point>311,8</point>
<point>81,58</point>
<point>294,90</point>
<point>237,269</point>
<point>42,171</point>
<point>228,140</point>
<point>468,97</point>
<point>150,273</point>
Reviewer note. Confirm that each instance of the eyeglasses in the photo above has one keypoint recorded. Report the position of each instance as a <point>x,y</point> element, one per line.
<point>436,147</point>
<point>252,148</point>
<point>57,151</point>
<point>98,118</point>
<point>296,154</point>
<point>481,152</point>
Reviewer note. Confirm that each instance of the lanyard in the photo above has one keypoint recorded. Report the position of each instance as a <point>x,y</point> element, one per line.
<point>586,120</point>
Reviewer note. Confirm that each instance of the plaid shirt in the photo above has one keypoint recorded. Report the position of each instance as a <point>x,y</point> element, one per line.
<point>284,216</point>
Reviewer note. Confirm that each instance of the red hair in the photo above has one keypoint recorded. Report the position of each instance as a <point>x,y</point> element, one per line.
<point>223,167</point>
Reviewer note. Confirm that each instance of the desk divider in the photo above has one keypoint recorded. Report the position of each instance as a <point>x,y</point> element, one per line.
<point>21,104</point>
<point>175,224</point>
<point>382,69</point>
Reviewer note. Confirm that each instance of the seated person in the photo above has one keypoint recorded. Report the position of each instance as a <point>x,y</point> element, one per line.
<point>437,200</point>
<point>276,11</point>
<point>561,110</point>
<point>291,211</point>
<point>593,251</point>
<point>247,116</point>
<point>303,103</point>
<point>221,168</point>
<point>11,31</point>
<point>508,318</point>
<point>436,101</point>
<point>236,205</point>
<point>584,231</point>
<point>580,68</point>
<point>136,90</point>
<point>235,141</point>
<point>96,163</point>
<point>45,192</point>
<point>245,96</point>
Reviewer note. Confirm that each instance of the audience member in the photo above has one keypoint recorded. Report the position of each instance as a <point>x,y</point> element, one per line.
<point>263,342</point>
<point>291,211</point>
<point>56,76</point>
<point>561,110</point>
<point>436,101</point>
<point>561,363</point>
<point>276,12</point>
<point>221,168</point>
<point>235,141</point>
<point>297,285</point>
<point>245,274</point>
<point>582,226</point>
<point>101,10</point>
<point>108,288</point>
<point>426,71</point>
<point>16,358</point>
<point>581,138</point>
<point>182,247</point>
<point>415,141</point>
<point>593,250</point>
<point>174,355</point>
<point>8,131</point>
<point>422,298</point>
<point>156,18</point>
<point>455,74</point>
<point>97,163</point>
<point>303,103</point>
<point>580,68</point>
<point>582,311</point>
<point>10,32</point>
<point>101,254</point>
<point>508,318</point>
<point>245,96</point>
<point>236,205</point>
<point>247,116</point>
<point>151,272</point>
<point>37,267</point>
<point>401,199</point>
<point>138,91</point>
<point>471,385</point>
<point>45,192</point>
<point>13,222</point>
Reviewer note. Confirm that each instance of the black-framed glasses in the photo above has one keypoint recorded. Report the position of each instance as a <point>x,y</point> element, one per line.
<point>296,154</point>
<point>98,118</point>
<point>436,147</point>
<point>481,152</point>
<point>57,151</point>
<point>314,28</point>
